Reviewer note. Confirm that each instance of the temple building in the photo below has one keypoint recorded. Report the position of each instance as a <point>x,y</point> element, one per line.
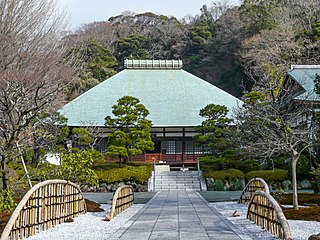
<point>173,97</point>
<point>298,93</point>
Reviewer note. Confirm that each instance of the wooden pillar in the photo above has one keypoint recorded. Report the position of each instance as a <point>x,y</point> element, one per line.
<point>183,144</point>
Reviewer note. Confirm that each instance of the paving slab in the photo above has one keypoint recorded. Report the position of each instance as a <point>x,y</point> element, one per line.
<point>180,215</point>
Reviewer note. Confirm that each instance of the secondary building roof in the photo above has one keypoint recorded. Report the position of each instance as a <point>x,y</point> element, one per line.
<point>173,96</point>
<point>305,76</point>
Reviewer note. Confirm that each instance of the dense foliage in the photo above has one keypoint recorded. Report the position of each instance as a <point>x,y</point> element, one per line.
<point>139,174</point>
<point>269,175</point>
<point>213,131</point>
<point>75,167</point>
<point>226,45</point>
<point>228,174</point>
<point>130,129</point>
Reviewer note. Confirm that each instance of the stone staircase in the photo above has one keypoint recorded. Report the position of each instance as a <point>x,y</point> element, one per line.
<point>177,180</point>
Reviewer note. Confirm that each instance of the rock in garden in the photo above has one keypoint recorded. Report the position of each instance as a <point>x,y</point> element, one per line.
<point>305,184</point>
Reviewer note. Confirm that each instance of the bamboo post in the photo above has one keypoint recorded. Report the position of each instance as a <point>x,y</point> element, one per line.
<point>43,207</point>
<point>122,199</point>
<point>264,210</point>
<point>255,184</point>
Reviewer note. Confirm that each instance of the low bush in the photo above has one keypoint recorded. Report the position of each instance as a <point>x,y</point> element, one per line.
<point>225,174</point>
<point>212,163</point>
<point>127,173</point>
<point>219,185</point>
<point>269,175</point>
<point>107,166</point>
<point>245,166</point>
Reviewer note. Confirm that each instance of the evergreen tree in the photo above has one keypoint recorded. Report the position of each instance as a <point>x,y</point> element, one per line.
<point>131,130</point>
<point>213,130</point>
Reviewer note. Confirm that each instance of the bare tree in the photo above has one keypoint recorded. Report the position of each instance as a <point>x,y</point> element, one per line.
<point>32,72</point>
<point>219,8</point>
<point>267,128</point>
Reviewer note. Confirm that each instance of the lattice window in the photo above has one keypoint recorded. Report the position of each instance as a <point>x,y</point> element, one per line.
<point>171,147</point>
<point>192,148</point>
<point>189,147</point>
<point>178,147</point>
<point>102,145</point>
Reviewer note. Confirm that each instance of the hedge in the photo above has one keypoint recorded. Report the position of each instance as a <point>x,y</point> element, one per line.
<point>137,174</point>
<point>225,174</point>
<point>269,175</point>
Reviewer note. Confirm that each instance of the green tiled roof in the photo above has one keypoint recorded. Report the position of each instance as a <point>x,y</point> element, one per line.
<point>305,76</point>
<point>173,97</point>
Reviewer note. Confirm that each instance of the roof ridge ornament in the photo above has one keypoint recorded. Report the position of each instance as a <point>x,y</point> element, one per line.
<point>152,64</point>
<point>304,67</point>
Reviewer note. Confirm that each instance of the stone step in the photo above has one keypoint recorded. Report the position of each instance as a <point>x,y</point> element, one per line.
<point>162,168</point>
<point>177,180</point>
<point>178,185</point>
<point>177,173</point>
<point>180,190</point>
<point>166,181</point>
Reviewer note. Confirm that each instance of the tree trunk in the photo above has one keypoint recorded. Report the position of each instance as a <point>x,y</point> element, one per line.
<point>295,157</point>
<point>4,175</point>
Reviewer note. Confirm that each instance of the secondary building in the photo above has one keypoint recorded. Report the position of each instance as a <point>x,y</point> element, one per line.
<point>298,93</point>
<point>173,97</point>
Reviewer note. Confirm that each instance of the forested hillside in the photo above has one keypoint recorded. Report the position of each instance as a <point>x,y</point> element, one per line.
<point>229,46</point>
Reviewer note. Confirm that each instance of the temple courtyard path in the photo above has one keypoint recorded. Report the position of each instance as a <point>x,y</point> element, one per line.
<point>179,215</point>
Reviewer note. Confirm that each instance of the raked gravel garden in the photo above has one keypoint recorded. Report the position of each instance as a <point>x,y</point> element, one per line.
<point>92,225</point>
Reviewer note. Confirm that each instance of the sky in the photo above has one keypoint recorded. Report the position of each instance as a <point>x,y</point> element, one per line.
<point>85,11</point>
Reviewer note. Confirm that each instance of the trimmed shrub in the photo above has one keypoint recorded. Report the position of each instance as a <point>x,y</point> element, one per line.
<point>245,166</point>
<point>225,174</point>
<point>107,166</point>
<point>269,175</point>
<point>219,185</point>
<point>124,174</point>
<point>212,163</point>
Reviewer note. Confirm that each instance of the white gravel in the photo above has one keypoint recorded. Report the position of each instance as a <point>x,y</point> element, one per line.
<point>89,225</point>
<point>92,226</point>
<point>300,230</point>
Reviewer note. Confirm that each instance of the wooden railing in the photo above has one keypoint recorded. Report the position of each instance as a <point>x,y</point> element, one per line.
<point>153,156</point>
<point>265,211</point>
<point>44,206</point>
<point>122,199</point>
<point>255,184</point>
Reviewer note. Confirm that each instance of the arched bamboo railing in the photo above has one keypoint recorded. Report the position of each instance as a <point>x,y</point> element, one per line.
<point>255,184</point>
<point>44,206</point>
<point>123,198</point>
<point>265,211</point>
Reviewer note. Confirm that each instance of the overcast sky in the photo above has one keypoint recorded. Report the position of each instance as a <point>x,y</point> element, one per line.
<point>86,11</point>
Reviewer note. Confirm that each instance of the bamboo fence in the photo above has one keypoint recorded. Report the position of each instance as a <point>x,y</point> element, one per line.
<point>255,184</point>
<point>44,206</point>
<point>122,199</point>
<point>265,211</point>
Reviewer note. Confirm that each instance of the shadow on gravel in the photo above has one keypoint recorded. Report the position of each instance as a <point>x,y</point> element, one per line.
<point>220,196</point>
<point>139,197</point>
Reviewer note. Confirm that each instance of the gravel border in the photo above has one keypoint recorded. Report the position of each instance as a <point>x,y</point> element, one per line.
<point>92,226</point>
<point>300,230</point>
<point>89,225</point>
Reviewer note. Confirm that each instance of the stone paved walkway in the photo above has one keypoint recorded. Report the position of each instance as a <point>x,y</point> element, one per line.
<point>178,215</point>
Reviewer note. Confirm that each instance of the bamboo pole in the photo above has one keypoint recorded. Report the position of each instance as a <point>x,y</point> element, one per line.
<point>255,184</point>
<point>265,211</point>
<point>40,209</point>
<point>122,199</point>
